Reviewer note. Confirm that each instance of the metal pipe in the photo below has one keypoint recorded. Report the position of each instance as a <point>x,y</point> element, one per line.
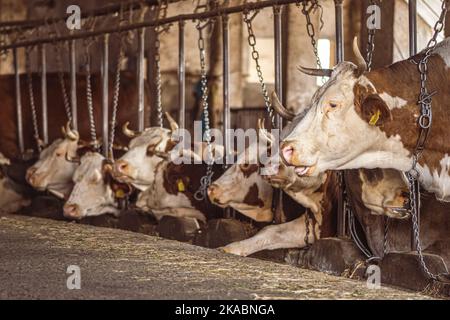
<point>339,30</point>
<point>18,104</point>
<point>73,85</point>
<point>141,67</point>
<point>105,94</point>
<point>278,45</point>
<point>181,76</point>
<point>152,23</point>
<point>44,95</point>
<point>412,14</point>
<point>226,86</point>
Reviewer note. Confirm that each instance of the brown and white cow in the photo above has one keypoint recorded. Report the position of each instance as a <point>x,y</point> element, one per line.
<point>361,119</point>
<point>94,191</point>
<point>12,197</point>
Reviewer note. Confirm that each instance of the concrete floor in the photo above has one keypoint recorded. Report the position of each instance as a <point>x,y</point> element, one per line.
<point>35,254</point>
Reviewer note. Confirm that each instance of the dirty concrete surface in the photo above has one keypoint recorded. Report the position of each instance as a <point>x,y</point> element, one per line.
<point>116,264</point>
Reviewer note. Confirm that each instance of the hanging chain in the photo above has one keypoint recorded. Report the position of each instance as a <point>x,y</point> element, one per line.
<point>425,120</point>
<point>314,5</point>
<point>255,55</point>
<point>306,239</point>
<point>32,102</point>
<point>370,43</point>
<point>158,80</point>
<point>90,104</point>
<point>205,181</point>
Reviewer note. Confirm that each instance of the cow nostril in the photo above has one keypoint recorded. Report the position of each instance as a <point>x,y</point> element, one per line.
<point>287,151</point>
<point>122,166</point>
<point>71,210</point>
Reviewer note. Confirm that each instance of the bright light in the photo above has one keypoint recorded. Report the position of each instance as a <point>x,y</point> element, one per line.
<point>324,50</point>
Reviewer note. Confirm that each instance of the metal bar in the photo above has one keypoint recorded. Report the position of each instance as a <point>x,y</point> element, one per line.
<point>141,66</point>
<point>106,10</point>
<point>181,76</point>
<point>339,30</point>
<point>73,85</point>
<point>153,23</point>
<point>44,95</point>
<point>226,85</point>
<point>278,215</point>
<point>412,14</point>
<point>18,104</point>
<point>105,94</point>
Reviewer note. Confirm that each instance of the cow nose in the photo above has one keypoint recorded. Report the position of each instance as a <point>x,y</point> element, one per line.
<point>287,151</point>
<point>121,166</point>
<point>32,177</point>
<point>212,191</point>
<point>72,211</point>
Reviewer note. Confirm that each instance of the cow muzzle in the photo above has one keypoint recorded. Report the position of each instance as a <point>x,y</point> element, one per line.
<point>121,170</point>
<point>290,157</point>
<point>214,193</point>
<point>33,177</point>
<point>72,211</point>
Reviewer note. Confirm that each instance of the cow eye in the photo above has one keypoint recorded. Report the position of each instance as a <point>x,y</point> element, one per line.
<point>333,105</point>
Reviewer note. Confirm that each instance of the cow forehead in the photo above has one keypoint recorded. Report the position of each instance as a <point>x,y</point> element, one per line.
<point>47,152</point>
<point>90,162</point>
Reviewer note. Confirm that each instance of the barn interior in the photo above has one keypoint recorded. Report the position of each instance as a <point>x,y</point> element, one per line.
<point>94,66</point>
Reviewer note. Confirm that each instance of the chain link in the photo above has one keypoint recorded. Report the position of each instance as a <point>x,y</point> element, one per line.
<point>89,99</point>
<point>31,95</point>
<point>425,120</point>
<point>158,80</point>
<point>255,56</point>
<point>205,181</point>
<point>370,43</point>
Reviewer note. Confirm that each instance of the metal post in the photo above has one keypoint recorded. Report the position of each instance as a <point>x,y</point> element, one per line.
<point>44,95</point>
<point>339,30</point>
<point>412,6</point>
<point>141,61</point>
<point>339,27</point>
<point>73,85</point>
<point>18,104</point>
<point>105,94</point>
<point>181,76</point>
<point>278,218</point>
<point>226,86</point>
<point>412,27</point>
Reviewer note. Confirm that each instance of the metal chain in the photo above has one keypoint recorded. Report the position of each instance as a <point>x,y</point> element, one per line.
<point>62,82</point>
<point>205,181</point>
<point>425,120</point>
<point>255,55</point>
<point>32,102</point>
<point>90,104</point>
<point>314,5</point>
<point>306,239</point>
<point>370,43</point>
<point>158,80</point>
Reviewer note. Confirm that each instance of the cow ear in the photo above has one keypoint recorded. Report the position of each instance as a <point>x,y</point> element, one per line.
<point>375,111</point>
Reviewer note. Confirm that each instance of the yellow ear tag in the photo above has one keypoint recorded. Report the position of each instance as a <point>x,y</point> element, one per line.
<point>120,194</point>
<point>181,186</point>
<point>373,121</point>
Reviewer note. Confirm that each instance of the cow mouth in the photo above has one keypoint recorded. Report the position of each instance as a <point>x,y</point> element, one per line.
<point>278,180</point>
<point>304,171</point>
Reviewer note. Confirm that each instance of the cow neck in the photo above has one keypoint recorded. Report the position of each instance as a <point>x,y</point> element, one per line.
<point>391,80</point>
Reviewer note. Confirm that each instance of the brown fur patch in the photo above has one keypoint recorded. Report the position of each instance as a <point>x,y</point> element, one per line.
<point>252,197</point>
<point>248,169</point>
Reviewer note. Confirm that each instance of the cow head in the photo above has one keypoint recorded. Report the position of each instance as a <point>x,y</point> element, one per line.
<point>11,198</point>
<point>242,188</point>
<point>341,130</point>
<point>146,150</point>
<point>56,165</point>
<point>92,194</point>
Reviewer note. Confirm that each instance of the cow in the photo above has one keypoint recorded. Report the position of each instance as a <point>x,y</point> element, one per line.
<point>369,189</point>
<point>94,192</point>
<point>244,189</point>
<point>128,96</point>
<point>13,196</point>
<point>369,119</point>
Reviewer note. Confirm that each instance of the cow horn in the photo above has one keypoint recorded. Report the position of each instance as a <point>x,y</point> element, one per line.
<point>128,132</point>
<point>360,61</point>
<point>172,122</point>
<point>280,109</point>
<point>315,72</point>
<point>69,133</point>
<point>266,135</point>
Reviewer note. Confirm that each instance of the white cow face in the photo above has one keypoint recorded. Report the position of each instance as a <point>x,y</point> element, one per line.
<point>54,169</point>
<point>138,165</point>
<point>242,188</point>
<point>10,200</point>
<point>92,194</point>
<point>340,131</point>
